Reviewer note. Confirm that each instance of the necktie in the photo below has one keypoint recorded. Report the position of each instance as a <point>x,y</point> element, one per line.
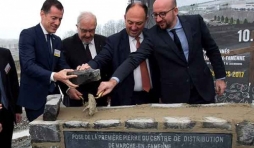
<point>2,93</point>
<point>146,85</point>
<point>48,43</point>
<point>177,41</point>
<point>88,53</point>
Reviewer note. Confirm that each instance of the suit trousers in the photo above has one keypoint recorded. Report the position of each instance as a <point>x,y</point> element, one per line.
<point>195,97</point>
<point>143,97</point>
<point>8,125</point>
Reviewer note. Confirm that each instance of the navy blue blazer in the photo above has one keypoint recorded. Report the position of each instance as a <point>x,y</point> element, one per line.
<point>113,54</point>
<point>177,73</point>
<point>37,63</point>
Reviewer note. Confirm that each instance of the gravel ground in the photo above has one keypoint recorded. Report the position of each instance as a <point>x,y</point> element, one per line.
<point>21,137</point>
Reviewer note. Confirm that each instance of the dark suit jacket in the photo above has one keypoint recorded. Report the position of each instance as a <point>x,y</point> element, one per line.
<point>37,63</point>
<point>10,81</point>
<point>11,89</point>
<point>116,50</point>
<point>75,55</point>
<point>176,72</point>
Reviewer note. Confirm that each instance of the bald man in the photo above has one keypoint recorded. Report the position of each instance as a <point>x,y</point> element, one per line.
<point>177,42</point>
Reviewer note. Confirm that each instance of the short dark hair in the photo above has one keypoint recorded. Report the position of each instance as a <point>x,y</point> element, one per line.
<point>137,3</point>
<point>49,3</point>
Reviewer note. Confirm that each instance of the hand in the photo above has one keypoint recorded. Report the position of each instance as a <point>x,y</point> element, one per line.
<point>107,87</point>
<point>74,94</point>
<point>83,67</point>
<point>63,77</point>
<point>1,127</point>
<point>18,117</point>
<point>0,106</point>
<point>220,87</point>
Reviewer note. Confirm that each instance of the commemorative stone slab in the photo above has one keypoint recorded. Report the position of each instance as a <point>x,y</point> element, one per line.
<point>96,139</point>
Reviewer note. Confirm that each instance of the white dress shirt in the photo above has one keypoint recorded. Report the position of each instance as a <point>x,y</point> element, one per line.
<point>137,72</point>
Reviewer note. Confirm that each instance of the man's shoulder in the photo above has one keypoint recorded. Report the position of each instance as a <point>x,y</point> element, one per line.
<point>70,38</point>
<point>4,50</point>
<point>99,36</point>
<point>190,18</point>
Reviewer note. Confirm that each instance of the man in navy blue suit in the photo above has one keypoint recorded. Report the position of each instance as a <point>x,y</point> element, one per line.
<point>177,42</point>
<point>40,59</point>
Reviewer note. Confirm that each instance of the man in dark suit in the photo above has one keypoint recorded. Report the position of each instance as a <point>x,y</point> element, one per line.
<point>78,49</point>
<point>132,90</point>
<point>177,42</point>
<point>40,57</point>
<point>9,90</point>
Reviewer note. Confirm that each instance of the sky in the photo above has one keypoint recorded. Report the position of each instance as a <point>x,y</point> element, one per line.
<point>16,15</point>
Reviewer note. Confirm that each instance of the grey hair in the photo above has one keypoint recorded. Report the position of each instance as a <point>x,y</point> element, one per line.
<point>86,15</point>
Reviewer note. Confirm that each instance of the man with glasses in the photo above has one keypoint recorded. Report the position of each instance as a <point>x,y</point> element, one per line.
<point>138,87</point>
<point>80,48</point>
<point>177,42</point>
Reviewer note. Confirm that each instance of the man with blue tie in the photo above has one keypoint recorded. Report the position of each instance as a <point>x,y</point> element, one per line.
<point>178,42</point>
<point>10,112</point>
<point>40,58</point>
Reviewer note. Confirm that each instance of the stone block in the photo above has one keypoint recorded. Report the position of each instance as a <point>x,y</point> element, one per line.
<point>85,76</point>
<point>213,122</point>
<point>42,146</point>
<point>44,131</point>
<point>106,123</point>
<point>179,123</point>
<point>245,133</point>
<point>215,104</point>
<point>141,123</point>
<point>52,107</point>
<point>76,124</point>
<point>168,105</point>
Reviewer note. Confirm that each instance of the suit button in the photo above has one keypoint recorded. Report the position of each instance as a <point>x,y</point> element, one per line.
<point>188,67</point>
<point>187,80</point>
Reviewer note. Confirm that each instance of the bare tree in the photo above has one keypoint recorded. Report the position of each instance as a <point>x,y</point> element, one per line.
<point>99,29</point>
<point>68,34</point>
<point>120,25</point>
<point>109,28</point>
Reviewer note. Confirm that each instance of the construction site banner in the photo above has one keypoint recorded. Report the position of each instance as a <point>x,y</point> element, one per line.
<point>231,23</point>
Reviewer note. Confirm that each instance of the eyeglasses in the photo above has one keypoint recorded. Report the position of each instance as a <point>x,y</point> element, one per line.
<point>161,14</point>
<point>86,30</point>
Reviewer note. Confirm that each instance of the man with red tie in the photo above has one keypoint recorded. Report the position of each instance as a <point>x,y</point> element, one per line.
<point>138,87</point>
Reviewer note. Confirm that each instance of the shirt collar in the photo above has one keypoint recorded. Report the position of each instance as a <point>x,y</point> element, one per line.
<point>43,29</point>
<point>177,26</point>
<point>92,42</point>
<point>141,36</point>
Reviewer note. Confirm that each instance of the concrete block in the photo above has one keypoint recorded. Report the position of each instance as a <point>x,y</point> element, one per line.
<point>106,123</point>
<point>46,131</point>
<point>76,124</point>
<point>52,107</point>
<point>141,123</point>
<point>169,105</point>
<point>179,123</point>
<point>245,133</point>
<point>213,122</point>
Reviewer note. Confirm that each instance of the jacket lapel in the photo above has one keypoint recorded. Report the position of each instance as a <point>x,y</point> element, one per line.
<point>189,35</point>
<point>124,48</point>
<point>98,46</point>
<point>42,40</point>
<point>168,40</point>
